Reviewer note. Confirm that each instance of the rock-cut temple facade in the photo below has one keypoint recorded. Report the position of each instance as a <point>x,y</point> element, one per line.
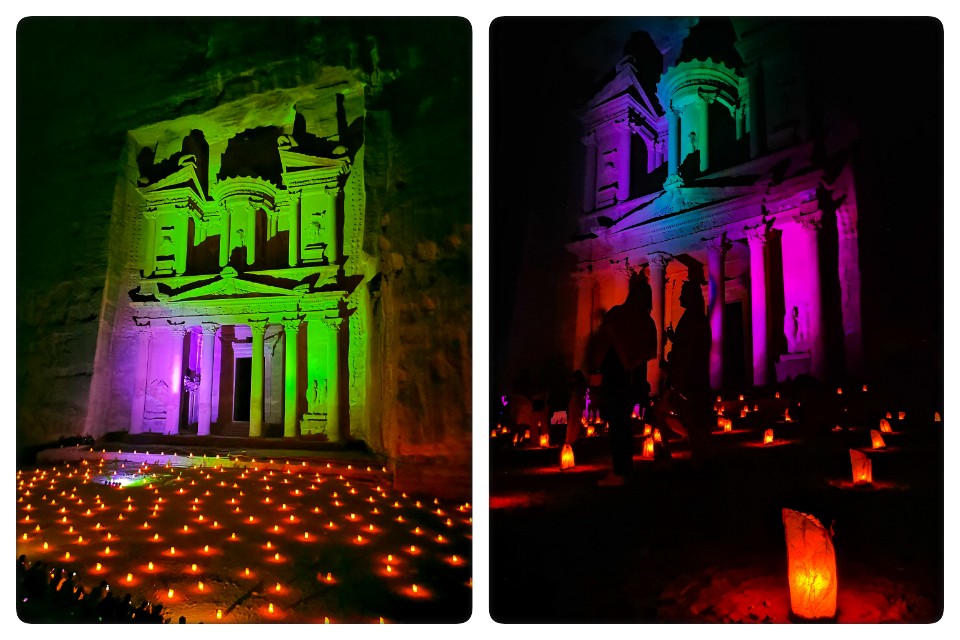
<point>245,301</point>
<point>723,174</point>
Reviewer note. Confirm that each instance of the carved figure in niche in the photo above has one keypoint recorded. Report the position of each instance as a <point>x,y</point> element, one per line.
<point>318,225</point>
<point>239,233</point>
<point>317,396</point>
<point>795,329</point>
<point>155,405</point>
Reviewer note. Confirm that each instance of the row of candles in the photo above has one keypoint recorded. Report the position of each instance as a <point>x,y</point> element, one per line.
<point>180,498</point>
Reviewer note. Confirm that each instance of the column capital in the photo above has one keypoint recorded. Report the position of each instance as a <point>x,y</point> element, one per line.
<point>718,244</point>
<point>291,325</point>
<point>257,326</point>
<point>209,328</point>
<point>846,223</point>
<point>589,138</point>
<point>177,329</point>
<point>151,214</point>
<point>659,259</point>
<point>757,235</point>
<point>332,323</point>
<point>809,221</point>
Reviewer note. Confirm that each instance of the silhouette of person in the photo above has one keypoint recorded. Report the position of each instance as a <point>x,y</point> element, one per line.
<point>576,406</point>
<point>626,340</point>
<point>685,405</point>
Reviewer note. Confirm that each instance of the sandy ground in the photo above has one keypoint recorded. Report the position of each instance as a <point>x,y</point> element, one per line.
<point>697,536</point>
<point>320,543</point>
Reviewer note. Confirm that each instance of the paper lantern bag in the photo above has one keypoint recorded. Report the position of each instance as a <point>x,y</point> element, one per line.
<point>862,467</point>
<point>811,566</point>
<point>566,457</point>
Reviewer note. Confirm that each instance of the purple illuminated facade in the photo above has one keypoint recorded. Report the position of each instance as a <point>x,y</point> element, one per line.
<point>711,175</point>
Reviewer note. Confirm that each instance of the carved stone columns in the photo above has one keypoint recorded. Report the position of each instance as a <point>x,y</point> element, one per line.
<point>332,344</point>
<point>293,240</point>
<point>658,274</point>
<point>149,242</point>
<point>140,378</point>
<point>716,254</point>
<point>290,328</point>
<point>673,142</point>
<point>205,407</point>
<point>258,327</point>
<point>809,235</point>
<point>704,133</point>
<point>172,426</point>
<point>757,241</point>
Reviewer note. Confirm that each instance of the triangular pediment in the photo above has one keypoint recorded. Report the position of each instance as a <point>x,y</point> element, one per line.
<point>185,176</point>
<point>232,287</point>
<point>294,161</point>
<point>624,83</point>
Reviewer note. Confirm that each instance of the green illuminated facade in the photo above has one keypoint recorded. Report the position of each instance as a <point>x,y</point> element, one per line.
<point>245,300</point>
<point>282,251</point>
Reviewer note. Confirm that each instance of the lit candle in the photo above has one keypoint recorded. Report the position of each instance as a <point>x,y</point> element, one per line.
<point>150,566</point>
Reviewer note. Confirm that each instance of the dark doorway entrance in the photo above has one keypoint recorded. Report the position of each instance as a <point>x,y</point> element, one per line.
<point>241,390</point>
<point>733,360</point>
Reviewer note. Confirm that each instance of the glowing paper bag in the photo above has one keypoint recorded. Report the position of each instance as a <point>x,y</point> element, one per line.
<point>566,457</point>
<point>862,467</point>
<point>811,566</point>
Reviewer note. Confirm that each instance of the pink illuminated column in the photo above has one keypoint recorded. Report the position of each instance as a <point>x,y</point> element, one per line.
<point>757,240</point>
<point>809,236</point>
<point>290,329</point>
<point>258,327</point>
<point>140,378</point>
<point>658,282</point>
<point>172,426</point>
<point>716,254</point>
<point>205,408</point>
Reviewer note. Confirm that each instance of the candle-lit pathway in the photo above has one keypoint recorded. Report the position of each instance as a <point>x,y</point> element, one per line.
<point>242,540</point>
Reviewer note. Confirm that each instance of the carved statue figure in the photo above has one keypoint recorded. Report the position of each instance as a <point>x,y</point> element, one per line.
<point>317,396</point>
<point>795,329</point>
<point>316,223</point>
<point>155,405</point>
<point>791,326</point>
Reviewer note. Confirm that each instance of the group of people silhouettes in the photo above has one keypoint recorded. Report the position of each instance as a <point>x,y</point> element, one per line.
<point>625,342</point>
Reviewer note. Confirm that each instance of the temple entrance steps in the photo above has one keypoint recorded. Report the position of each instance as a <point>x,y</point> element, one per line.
<point>236,430</point>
